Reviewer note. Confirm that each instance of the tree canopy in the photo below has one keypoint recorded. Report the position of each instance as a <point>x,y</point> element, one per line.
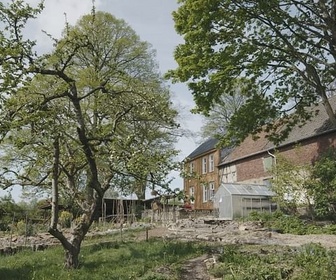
<point>218,118</point>
<point>283,49</point>
<point>92,115</point>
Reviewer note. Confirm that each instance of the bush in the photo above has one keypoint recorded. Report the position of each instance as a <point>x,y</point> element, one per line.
<point>23,228</point>
<point>283,223</point>
<point>65,219</point>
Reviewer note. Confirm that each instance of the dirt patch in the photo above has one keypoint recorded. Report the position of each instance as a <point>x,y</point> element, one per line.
<point>228,232</point>
<point>195,269</point>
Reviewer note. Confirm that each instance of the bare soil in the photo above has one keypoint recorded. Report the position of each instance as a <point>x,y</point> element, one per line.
<point>228,232</point>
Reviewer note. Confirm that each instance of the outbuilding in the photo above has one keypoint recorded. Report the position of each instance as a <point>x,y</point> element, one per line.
<point>234,200</point>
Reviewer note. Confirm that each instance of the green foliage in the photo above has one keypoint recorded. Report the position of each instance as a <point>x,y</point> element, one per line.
<point>282,49</point>
<point>220,114</point>
<point>65,219</point>
<point>85,117</point>
<point>312,187</point>
<point>323,185</point>
<point>25,228</point>
<point>9,212</point>
<point>310,261</point>
<point>290,182</point>
<point>280,222</point>
<point>113,259</point>
<point>110,260</point>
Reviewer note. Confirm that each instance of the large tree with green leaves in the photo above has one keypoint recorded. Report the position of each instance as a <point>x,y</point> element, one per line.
<point>285,49</point>
<point>91,115</point>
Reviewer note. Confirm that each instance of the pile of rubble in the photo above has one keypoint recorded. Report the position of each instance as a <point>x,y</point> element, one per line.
<point>218,230</point>
<point>238,232</point>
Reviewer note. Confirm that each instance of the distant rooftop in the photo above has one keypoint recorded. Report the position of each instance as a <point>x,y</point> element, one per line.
<point>208,145</point>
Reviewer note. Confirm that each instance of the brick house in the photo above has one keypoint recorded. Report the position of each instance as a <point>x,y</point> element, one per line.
<point>251,161</point>
<point>203,178</point>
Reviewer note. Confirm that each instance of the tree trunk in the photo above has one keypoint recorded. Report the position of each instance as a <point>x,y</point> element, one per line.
<point>54,185</point>
<point>72,257</point>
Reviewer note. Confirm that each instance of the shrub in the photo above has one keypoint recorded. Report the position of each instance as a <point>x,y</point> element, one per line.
<point>23,228</point>
<point>65,219</point>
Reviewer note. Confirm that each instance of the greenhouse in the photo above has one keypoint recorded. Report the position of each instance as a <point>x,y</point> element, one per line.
<point>233,200</point>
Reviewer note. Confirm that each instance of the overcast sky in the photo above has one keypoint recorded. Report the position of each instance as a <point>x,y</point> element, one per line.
<point>152,21</point>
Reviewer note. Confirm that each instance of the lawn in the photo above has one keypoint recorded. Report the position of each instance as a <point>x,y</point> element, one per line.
<point>104,258</point>
<point>113,257</point>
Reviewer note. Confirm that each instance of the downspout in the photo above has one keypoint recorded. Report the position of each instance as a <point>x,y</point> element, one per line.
<point>276,170</point>
<point>273,156</point>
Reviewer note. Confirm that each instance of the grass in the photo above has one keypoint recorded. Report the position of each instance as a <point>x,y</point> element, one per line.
<point>104,258</point>
<point>290,224</point>
<point>116,257</point>
<point>310,261</point>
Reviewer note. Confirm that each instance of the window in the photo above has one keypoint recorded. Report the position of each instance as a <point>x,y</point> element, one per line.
<point>234,176</point>
<point>205,193</point>
<point>204,165</point>
<point>229,174</point>
<point>211,190</point>
<point>268,163</point>
<point>191,168</point>
<point>192,195</point>
<point>211,163</point>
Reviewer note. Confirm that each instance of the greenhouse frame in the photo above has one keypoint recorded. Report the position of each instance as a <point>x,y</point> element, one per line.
<point>233,200</point>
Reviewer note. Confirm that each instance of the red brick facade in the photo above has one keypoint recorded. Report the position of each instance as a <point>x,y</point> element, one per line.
<point>251,168</point>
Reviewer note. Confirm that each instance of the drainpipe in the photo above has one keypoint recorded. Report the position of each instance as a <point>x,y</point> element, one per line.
<point>273,156</point>
<point>275,165</point>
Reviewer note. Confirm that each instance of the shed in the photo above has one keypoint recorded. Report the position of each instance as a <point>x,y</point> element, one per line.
<point>233,200</point>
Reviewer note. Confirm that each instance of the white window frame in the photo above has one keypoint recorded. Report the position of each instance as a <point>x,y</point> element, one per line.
<point>211,163</point>
<point>192,194</point>
<point>211,190</point>
<point>229,174</point>
<point>191,167</point>
<point>205,188</point>
<point>268,163</point>
<point>204,165</point>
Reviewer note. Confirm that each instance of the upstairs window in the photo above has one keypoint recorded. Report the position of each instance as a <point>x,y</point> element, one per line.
<point>211,163</point>
<point>204,165</point>
<point>191,168</point>
<point>205,193</point>
<point>268,163</point>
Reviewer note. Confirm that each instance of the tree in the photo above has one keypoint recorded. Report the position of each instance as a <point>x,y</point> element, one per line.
<point>290,182</point>
<point>219,116</point>
<point>84,118</point>
<point>284,49</point>
<point>323,184</point>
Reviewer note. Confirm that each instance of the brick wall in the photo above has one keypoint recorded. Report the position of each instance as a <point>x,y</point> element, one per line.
<point>201,179</point>
<point>252,168</point>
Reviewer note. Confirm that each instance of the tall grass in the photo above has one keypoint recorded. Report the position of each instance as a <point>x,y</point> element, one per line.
<point>107,260</point>
<point>307,262</point>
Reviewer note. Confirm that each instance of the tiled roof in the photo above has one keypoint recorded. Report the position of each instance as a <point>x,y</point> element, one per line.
<point>207,146</point>
<point>317,125</point>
